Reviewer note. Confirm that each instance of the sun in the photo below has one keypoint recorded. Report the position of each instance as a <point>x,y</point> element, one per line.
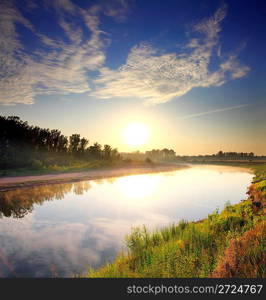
<point>136,134</point>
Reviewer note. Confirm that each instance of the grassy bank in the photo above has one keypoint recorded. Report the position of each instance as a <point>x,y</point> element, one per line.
<point>230,243</point>
<point>73,166</point>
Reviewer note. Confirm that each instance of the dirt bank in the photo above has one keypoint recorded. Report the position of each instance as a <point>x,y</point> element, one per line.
<point>258,197</point>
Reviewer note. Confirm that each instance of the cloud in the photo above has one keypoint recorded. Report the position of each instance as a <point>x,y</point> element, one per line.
<point>158,77</point>
<point>59,65</point>
<point>214,111</point>
<point>75,61</point>
<point>117,9</point>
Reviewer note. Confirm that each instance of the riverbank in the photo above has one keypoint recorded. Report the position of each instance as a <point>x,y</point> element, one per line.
<point>14,182</point>
<point>230,243</point>
<point>28,178</point>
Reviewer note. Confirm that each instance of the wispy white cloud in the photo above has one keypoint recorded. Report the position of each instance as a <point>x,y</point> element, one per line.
<point>60,65</point>
<point>210,112</point>
<point>13,82</point>
<point>118,9</point>
<point>158,77</point>
<point>63,65</point>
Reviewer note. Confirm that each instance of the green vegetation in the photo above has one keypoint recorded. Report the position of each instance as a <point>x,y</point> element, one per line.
<point>226,244</point>
<point>259,171</point>
<point>26,149</point>
<point>70,165</point>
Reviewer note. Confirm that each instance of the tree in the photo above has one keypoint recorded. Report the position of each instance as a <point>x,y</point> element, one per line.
<point>220,153</point>
<point>82,145</point>
<point>74,141</point>
<point>115,154</point>
<point>22,145</point>
<point>107,152</point>
<point>95,151</point>
<point>62,143</point>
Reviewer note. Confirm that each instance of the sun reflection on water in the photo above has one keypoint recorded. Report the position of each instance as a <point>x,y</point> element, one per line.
<point>137,186</point>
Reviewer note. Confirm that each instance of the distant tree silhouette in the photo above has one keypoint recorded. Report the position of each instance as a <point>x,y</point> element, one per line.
<point>22,145</point>
<point>95,151</point>
<point>161,155</point>
<point>115,155</point>
<point>82,146</point>
<point>74,141</point>
<point>107,150</point>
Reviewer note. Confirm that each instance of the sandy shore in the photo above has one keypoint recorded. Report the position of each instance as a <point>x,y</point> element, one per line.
<point>9,183</point>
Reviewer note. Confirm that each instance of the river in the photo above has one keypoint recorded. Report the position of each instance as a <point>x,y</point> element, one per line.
<point>61,230</point>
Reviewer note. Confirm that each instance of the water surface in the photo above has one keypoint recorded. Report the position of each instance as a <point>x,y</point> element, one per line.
<point>63,229</point>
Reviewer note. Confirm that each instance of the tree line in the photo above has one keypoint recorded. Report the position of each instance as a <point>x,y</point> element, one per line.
<point>19,140</point>
<point>159,155</point>
<point>23,145</point>
<point>169,155</point>
<point>235,154</point>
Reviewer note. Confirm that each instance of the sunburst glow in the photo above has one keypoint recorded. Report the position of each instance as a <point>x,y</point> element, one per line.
<point>136,134</point>
<point>137,186</point>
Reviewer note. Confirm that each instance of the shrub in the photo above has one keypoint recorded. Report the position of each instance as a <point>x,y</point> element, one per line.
<point>36,164</point>
<point>148,160</point>
<point>245,256</point>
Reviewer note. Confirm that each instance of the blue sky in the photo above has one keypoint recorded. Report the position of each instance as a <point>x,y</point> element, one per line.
<point>193,71</point>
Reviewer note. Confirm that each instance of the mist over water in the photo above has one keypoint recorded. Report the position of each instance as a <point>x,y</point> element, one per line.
<point>63,229</point>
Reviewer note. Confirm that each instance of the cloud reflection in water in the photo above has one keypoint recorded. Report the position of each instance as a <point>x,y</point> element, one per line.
<point>63,229</point>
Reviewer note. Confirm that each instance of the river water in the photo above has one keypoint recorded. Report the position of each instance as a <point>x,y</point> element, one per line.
<point>61,230</point>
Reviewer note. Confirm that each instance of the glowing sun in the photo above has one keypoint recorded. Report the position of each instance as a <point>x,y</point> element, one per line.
<point>136,134</point>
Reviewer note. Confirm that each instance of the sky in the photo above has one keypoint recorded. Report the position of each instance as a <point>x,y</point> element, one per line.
<point>193,72</point>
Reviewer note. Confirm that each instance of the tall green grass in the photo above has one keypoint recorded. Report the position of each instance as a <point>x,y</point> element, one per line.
<point>259,171</point>
<point>182,250</point>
